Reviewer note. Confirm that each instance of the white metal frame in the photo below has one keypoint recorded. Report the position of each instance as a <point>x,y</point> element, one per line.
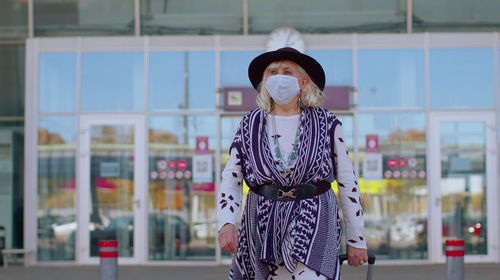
<point>434,197</point>
<point>140,187</point>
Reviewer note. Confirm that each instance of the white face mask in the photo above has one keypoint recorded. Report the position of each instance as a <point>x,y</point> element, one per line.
<point>282,88</point>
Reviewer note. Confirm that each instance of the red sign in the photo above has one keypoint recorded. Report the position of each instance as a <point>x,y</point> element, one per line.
<point>392,163</point>
<point>172,164</point>
<point>396,174</point>
<point>403,162</point>
<point>388,174</point>
<point>202,145</point>
<point>372,144</point>
<point>182,164</point>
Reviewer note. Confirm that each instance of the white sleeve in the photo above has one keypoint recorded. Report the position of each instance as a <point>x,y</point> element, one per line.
<point>350,196</point>
<point>230,192</point>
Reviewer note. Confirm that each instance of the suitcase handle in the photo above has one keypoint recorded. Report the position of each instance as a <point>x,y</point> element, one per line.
<point>343,258</point>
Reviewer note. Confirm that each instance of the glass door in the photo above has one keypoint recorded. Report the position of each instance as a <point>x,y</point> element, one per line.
<point>463,193</point>
<point>112,187</point>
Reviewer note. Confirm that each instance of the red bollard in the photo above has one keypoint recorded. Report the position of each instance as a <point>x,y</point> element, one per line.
<point>455,259</point>
<point>108,253</point>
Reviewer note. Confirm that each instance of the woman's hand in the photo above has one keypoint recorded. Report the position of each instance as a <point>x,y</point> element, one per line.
<point>356,255</point>
<point>228,238</point>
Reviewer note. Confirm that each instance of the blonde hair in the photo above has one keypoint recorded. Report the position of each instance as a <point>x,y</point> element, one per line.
<point>310,96</point>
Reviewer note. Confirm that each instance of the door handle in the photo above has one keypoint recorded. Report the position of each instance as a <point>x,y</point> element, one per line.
<point>438,201</point>
<point>137,203</point>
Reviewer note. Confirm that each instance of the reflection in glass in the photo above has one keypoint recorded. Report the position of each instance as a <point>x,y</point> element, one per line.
<point>182,188</point>
<point>14,19</point>
<point>12,186</point>
<point>393,183</point>
<point>391,78</point>
<point>338,16</point>
<point>167,79</point>
<point>181,80</point>
<point>57,82</point>
<point>234,68</point>
<point>56,215</point>
<point>112,187</point>
<point>84,18</point>
<point>456,15</point>
<point>463,184</point>
<point>197,17</point>
<point>12,80</point>
<point>461,78</point>
<point>337,65</point>
<point>112,81</point>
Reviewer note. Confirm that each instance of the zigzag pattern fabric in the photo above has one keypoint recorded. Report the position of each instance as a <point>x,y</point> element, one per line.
<point>287,232</point>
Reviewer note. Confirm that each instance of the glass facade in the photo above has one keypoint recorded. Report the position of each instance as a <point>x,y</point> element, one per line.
<point>393,182</point>
<point>456,15</point>
<point>391,78</point>
<point>191,17</point>
<point>57,82</point>
<point>83,18</point>
<point>463,184</point>
<point>339,16</point>
<point>56,213</point>
<point>115,79</point>
<point>12,68</point>
<point>458,74</point>
<point>182,187</point>
<point>12,184</point>
<point>13,20</point>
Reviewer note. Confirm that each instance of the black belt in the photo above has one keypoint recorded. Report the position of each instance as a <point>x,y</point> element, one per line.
<point>288,193</point>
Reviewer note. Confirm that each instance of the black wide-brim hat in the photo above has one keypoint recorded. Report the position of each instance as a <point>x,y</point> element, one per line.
<point>310,65</point>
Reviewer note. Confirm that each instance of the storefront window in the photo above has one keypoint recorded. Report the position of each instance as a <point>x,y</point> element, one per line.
<point>463,184</point>
<point>56,215</point>
<point>12,80</point>
<point>112,81</point>
<point>337,65</point>
<point>455,15</point>
<point>391,78</point>
<point>393,183</point>
<point>234,68</point>
<point>14,19</point>
<point>461,78</point>
<point>177,80</point>
<point>57,82</point>
<point>83,18</point>
<point>191,17</point>
<point>339,16</point>
<point>182,222</point>
<point>12,186</point>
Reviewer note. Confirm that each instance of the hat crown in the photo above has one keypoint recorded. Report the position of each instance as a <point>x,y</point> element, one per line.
<point>310,65</point>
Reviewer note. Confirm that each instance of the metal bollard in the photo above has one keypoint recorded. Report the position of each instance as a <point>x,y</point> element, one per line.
<point>108,253</point>
<point>455,259</point>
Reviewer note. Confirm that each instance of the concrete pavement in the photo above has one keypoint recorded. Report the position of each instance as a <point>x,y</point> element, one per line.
<point>381,272</point>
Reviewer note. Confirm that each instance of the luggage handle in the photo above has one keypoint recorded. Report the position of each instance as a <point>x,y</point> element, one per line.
<point>343,258</point>
<point>371,262</point>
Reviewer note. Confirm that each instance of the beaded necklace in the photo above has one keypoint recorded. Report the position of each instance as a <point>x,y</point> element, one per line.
<point>286,166</point>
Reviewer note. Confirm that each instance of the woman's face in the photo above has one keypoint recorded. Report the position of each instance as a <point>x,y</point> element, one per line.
<point>288,67</point>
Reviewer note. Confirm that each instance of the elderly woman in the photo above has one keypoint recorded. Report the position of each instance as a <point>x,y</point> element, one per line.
<point>289,151</point>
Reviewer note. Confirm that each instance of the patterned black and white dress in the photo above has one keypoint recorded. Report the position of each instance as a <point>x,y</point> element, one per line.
<point>295,239</point>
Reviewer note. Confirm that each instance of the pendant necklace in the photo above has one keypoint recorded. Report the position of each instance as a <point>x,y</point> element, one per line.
<point>286,165</point>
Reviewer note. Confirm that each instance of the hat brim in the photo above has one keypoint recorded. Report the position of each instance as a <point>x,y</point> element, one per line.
<point>310,65</point>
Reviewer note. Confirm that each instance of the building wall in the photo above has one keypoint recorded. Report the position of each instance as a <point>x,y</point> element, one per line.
<point>398,82</point>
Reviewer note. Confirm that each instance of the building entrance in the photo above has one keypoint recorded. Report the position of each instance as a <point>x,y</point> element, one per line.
<point>111,196</point>
<point>463,190</point>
